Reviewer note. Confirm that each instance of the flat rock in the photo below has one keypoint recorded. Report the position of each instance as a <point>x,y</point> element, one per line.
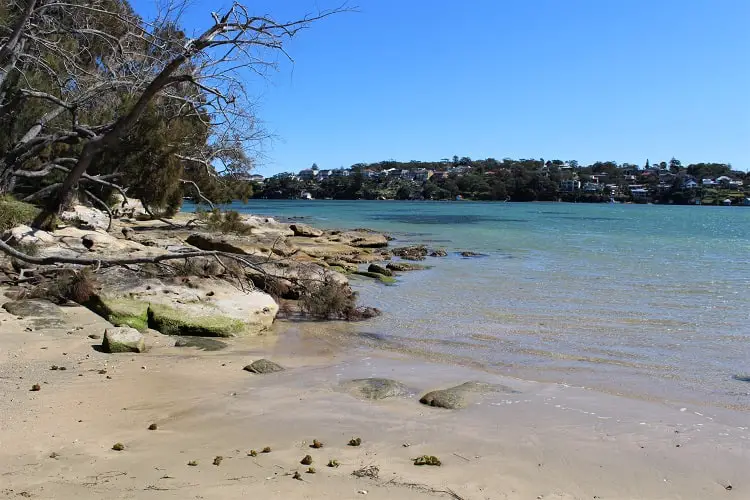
<point>21,235</point>
<point>375,388</point>
<point>202,343</point>
<point>33,308</point>
<point>123,339</point>
<point>363,239</point>
<point>416,252</point>
<point>472,254</point>
<point>263,366</point>
<point>260,244</point>
<point>305,231</point>
<point>461,395</point>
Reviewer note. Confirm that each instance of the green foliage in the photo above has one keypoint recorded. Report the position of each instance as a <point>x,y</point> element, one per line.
<point>14,212</point>
<point>329,299</point>
<point>224,222</point>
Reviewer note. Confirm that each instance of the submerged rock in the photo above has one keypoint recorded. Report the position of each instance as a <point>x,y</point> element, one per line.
<point>305,231</point>
<point>472,254</point>
<point>202,343</point>
<point>461,395</point>
<point>33,308</point>
<point>375,268</point>
<point>388,280</point>
<point>439,253</point>
<point>405,266</point>
<point>123,339</point>
<point>416,252</point>
<point>375,388</point>
<point>263,366</point>
<point>363,239</point>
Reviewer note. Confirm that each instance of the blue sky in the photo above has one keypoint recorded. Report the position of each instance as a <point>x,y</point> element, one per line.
<point>590,80</point>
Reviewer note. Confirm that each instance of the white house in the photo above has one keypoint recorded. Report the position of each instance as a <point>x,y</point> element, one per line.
<point>689,184</point>
<point>570,185</point>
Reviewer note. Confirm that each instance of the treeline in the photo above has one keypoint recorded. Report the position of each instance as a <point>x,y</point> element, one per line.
<point>95,99</point>
<point>500,180</point>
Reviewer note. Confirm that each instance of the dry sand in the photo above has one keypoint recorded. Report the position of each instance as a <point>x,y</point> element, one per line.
<point>546,442</point>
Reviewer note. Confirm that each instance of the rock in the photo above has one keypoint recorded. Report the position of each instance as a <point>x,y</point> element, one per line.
<point>33,308</point>
<point>123,339</point>
<point>25,235</point>
<point>181,306</point>
<point>388,280</point>
<point>439,253</point>
<point>84,217</point>
<point>375,388</point>
<point>416,252</point>
<point>472,254</point>
<point>742,377</point>
<point>261,245</point>
<point>128,232</point>
<point>130,208</point>
<point>404,266</point>
<point>202,343</point>
<point>461,395</point>
<point>375,268</point>
<point>305,231</point>
<point>346,266</point>
<point>288,279</point>
<point>363,239</point>
<point>263,366</point>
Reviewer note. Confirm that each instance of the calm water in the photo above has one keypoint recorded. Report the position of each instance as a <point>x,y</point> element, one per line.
<point>651,301</point>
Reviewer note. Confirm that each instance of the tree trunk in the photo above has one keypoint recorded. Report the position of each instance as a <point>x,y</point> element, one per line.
<point>47,218</point>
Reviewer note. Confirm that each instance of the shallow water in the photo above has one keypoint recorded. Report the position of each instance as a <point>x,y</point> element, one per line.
<point>648,301</point>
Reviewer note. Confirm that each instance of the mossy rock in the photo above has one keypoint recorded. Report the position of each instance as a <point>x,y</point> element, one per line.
<point>121,312</point>
<point>405,266</point>
<point>171,321</point>
<point>388,280</point>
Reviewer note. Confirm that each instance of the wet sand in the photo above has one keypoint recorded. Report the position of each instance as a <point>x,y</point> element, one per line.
<point>548,441</point>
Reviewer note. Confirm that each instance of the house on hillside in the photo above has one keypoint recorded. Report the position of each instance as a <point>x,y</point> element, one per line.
<point>709,183</point>
<point>639,194</point>
<point>689,184</point>
<point>307,174</point>
<point>570,185</point>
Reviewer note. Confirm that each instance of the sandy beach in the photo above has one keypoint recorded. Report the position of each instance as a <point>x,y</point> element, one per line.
<point>545,441</point>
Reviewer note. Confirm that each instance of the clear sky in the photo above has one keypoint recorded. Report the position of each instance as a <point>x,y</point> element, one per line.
<point>590,80</point>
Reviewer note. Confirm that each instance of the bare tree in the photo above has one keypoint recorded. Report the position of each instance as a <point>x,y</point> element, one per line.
<point>113,60</point>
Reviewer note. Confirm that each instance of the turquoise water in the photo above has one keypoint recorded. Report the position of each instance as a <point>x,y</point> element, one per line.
<point>649,301</point>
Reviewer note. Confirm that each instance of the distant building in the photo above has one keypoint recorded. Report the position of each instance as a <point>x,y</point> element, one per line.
<point>689,184</point>
<point>307,174</point>
<point>570,186</point>
<point>591,187</point>
<point>709,182</point>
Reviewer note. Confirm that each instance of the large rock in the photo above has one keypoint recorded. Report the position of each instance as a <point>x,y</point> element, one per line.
<point>263,366</point>
<point>85,217</point>
<point>461,395</point>
<point>123,339</point>
<point>130,207</point>
<point>260,245</point>
<point>375,388</point>
<point>305,231</point>
<point>33,308</point>
<point>186,306</point>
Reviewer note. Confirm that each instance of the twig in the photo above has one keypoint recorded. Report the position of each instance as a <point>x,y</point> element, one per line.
<point>461,456</point>
<point>101,204</point>
<point>198,190</point>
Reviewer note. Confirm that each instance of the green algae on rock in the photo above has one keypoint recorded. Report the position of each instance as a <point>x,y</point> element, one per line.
<point>172,321</point>
<point>388,280</point>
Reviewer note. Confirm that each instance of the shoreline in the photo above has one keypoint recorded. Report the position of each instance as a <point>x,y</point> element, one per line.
<point>548,440</point>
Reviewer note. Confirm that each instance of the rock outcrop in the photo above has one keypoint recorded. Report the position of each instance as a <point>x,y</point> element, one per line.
<point>305,231</point>
<point>186,306</point>
<point>405,266</point>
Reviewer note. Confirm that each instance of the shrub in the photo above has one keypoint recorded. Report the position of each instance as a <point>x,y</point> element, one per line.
<point>224,222</point>
<point>332,300</point>
<point>75,285</point>
<point>14,212</point>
